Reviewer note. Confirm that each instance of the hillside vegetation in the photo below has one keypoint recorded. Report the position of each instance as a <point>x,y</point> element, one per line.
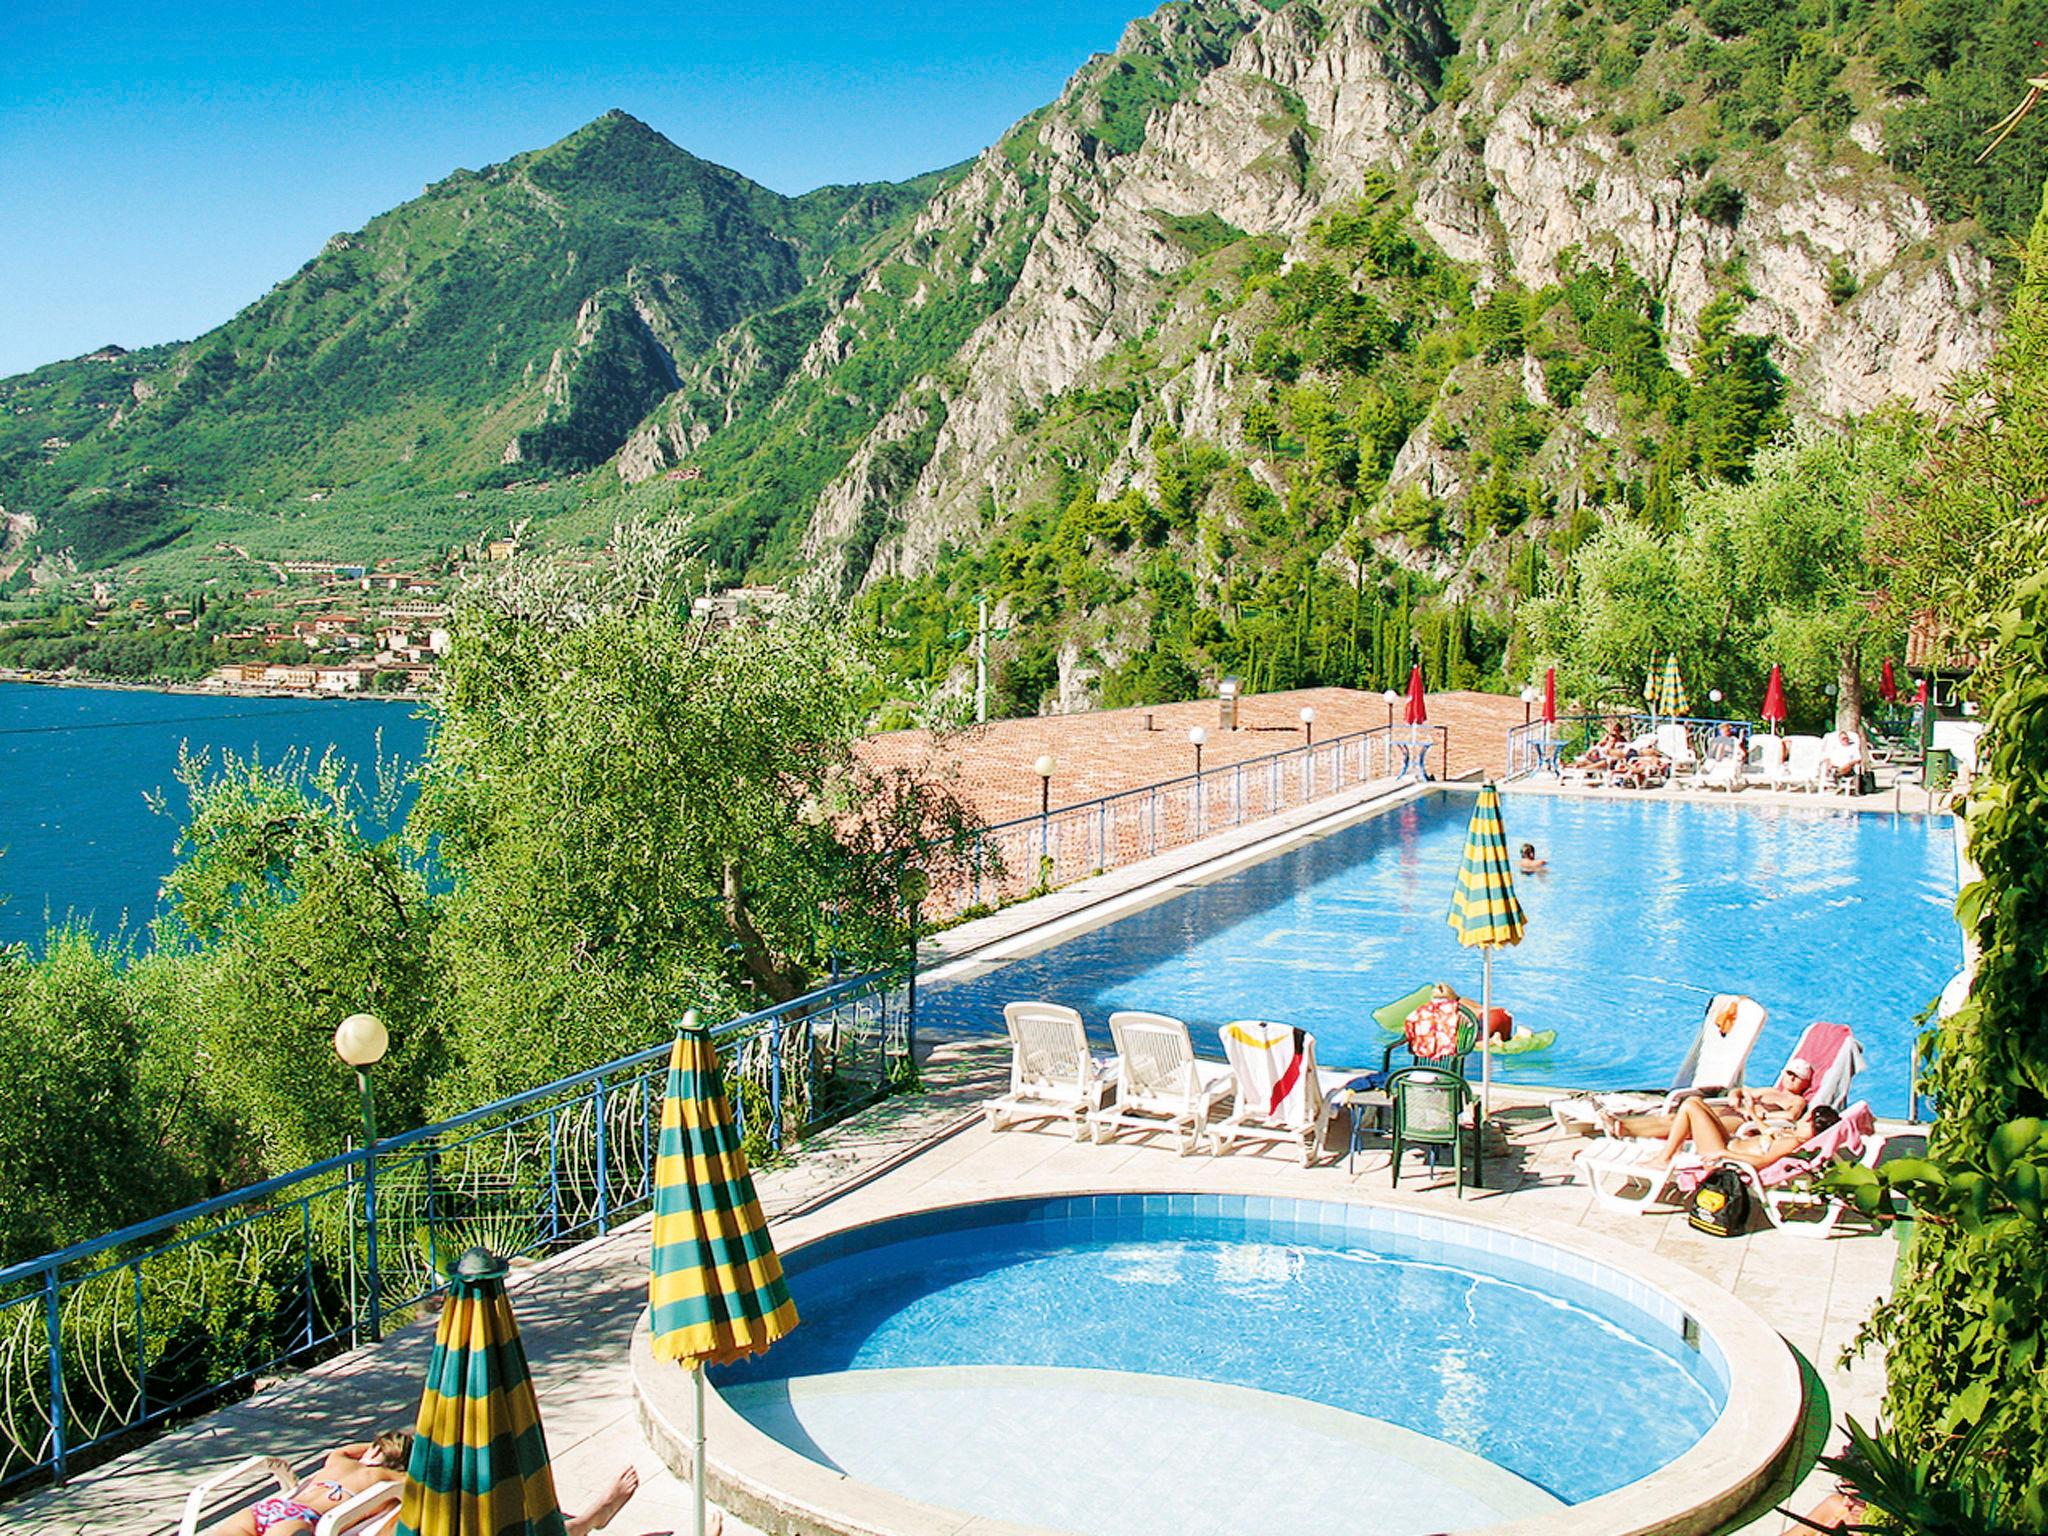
<point>1287,341</point>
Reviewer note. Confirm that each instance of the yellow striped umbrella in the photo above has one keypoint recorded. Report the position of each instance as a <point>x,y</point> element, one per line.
<point>714,1287</point>
<point>479,1463</point>
<point>1671,699</point>
<point>1484,912</point>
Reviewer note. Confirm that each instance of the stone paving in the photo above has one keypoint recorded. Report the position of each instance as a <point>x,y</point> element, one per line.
<point>576,1312</point>
<point>1107,751</point>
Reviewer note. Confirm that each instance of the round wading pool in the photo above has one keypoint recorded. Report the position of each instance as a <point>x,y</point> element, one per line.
<point>1153,1363</point>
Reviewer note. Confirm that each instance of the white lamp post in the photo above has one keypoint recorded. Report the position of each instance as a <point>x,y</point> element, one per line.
<point>1196,737</point>
<point>1044,768</point>
<point>361,1041</point>
<point>1392,699</point>
<point>1308,725</point>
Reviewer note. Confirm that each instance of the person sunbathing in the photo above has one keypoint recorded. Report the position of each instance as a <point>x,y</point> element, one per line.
<point>1607,752</point>
<point>1638,769</point>
<point>1781,1104</point>
<point>298,1505</point>
<point>1698,1125</point>
<point>1841,758</point>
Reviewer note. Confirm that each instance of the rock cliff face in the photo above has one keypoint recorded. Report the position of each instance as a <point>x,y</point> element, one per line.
<point>1070,244</point>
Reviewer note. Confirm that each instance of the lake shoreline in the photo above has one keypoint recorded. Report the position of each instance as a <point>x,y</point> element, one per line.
<point>204,690</point>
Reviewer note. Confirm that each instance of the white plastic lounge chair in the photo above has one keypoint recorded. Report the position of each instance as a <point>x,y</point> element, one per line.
<point>1836,1057</point>
<point>1805,1210</point>
<point>1624,1173</point>
<point>1723,767</point>
<point>1715,1060</point>
<point>211,1490</point>
<point>369,1513</point>
<point>1767,754</point>
<point>1841,763</point>
<point>1160,1085</point>
<point>1802,762</point>
<point>1281,1094</point>
<point>1053,1074</point>
<point>1675,743</point>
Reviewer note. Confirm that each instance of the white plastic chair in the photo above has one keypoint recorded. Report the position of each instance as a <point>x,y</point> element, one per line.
<point>369,1513</point>
<point>1802,762</point>
<point>203,1496</point>
<point>1160,1083</point>
<point>1282,1096</point>
<point>1053,1074</point>
<point>1715,1060</point>
<point>1675,743</point>
<point>1726,758</point>
<point>1769,754</point>
<point>1813,1212</point>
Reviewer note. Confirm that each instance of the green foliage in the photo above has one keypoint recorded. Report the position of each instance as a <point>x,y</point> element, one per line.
<point>1965,1356</point>
<point>86,1144</point>
<point>282,918</point>
<point>614,797</point>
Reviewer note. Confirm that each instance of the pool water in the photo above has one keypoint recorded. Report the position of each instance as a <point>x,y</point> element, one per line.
<point>1647,910</point>
<point>1545,1372</point>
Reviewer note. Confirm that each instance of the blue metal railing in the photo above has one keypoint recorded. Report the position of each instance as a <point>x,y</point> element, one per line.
<point>123,1331</point>
<point>1538,746</point>
<point>1013,859</point>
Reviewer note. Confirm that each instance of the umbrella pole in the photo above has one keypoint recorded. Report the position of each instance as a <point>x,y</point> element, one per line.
<point>1485,1036</point>
<point>697,1468</point>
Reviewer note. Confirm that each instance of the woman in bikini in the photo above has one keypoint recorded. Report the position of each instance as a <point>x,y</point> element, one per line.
<point>1781,1104</point>
<point>299,1504</point>
<point>1697,1124</point>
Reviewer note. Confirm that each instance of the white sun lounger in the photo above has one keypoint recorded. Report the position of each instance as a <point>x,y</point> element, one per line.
<point>1282,1096</point>
<point>1810,1212</point>
<point>1769,753</point>
<point>1674,742</point>
<point>1160,1083</point>
<point>1714,1061</point>
<point>1053,1074</point>
<point>1723,768</point>
<point>1802,762</point>
<point>369,1513</point>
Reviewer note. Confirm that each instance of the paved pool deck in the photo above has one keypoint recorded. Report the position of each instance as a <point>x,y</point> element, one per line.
<point>577,1311</point>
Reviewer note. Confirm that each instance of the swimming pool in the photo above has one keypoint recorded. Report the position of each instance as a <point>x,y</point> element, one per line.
<point>1138,1364</point>
<point>1648,909</point>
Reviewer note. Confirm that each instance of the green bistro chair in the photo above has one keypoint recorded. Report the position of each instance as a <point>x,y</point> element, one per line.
<point>1429,1112</point>
<point>1468,1042</point>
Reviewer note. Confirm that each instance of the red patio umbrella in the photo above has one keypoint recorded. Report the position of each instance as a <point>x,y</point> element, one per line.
<point>1887,685</point>
<point>1417,713</point>
<point>1774,699</point>
<point>1550,696</point>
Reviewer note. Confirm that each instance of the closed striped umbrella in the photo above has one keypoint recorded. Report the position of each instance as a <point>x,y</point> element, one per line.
<point>1485,912</point>
<point>715,1290</point>
<point>479,1462</point>
<point>1671,699</point>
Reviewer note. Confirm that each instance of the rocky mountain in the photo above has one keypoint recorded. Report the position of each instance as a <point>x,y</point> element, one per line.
<point>1271,303</point>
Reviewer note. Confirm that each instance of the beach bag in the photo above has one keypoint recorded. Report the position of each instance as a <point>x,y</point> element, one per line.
<point>1720,1205</point>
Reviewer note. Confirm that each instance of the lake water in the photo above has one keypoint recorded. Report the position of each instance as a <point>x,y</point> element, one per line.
<point>78,765</point>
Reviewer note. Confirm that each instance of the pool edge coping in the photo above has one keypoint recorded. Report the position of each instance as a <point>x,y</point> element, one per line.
<point>785,1493</point>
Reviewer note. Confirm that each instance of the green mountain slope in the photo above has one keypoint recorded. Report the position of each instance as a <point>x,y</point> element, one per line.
<point>528,314</point>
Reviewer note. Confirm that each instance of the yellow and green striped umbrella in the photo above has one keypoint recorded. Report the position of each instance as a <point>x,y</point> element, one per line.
<point>1484,912</point>
<point>1671,699</point>
<point>479,1462</point>
<point>715,1290</point>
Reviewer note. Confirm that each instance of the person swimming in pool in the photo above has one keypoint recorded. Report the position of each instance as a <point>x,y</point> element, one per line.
<point>1530,863</point>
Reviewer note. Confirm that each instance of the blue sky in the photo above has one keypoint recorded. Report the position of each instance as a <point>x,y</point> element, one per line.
<point>162,164</point>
